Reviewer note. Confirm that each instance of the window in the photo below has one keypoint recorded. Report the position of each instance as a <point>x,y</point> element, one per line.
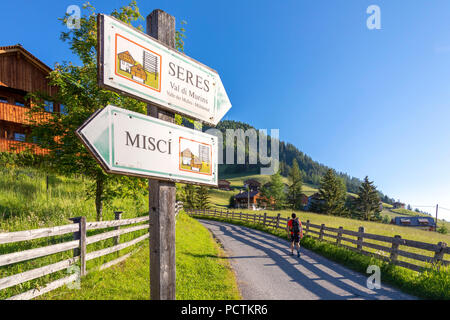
<point>48,106</point>
<point>19,136</point>
<point>3,99</point>
<point>62,109</point>
<point>19,103</point>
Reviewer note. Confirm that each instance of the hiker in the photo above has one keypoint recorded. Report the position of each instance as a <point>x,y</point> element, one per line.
<point>295,227</point>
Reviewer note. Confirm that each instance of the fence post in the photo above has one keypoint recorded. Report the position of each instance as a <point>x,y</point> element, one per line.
<point>118,216</point>
<point>278,220</point>
<point>339,236</point>
<point>240,216</point>
<point>322,226</point>
<point>307,226</point>
<point>439,255</point>
<point>360,238</point>
<point>81,236</point>
<point>265,217</point>
<point>394,248</point>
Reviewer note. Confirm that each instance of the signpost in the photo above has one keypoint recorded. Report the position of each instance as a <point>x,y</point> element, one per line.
<point>144,68</point>
<point>130,143</point>
<point>147,67</point>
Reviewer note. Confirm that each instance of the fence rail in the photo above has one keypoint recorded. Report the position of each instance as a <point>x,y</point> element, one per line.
<point>80,240</point>
<point>340,235</point>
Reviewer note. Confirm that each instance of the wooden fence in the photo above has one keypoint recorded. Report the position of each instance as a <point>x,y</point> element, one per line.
<point>356,241</point>
<point>78,245</point>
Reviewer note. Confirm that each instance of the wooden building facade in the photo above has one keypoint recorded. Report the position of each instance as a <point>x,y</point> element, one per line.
<point>21,73</point>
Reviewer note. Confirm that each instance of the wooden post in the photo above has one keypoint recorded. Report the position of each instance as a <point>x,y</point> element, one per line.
<point>307,226</point>
<point>439,255</point>
<point>339,236</point>
<point>394,248</point>
<point>161,25</point>
<point>81,250</point>
<point>240,216</point>
<point>265,218</point>
<point>278,220</point>
<point>360,238</point>
<point>322,226</point>
<point>117,216</point>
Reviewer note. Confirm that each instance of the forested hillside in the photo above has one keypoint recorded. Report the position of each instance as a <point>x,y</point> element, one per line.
<point>312,171</point>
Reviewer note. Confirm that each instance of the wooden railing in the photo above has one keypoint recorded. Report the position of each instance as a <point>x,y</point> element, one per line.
<point>19,146</point>
<point>18,114</point>
<point>79,243</point>
<point>356,241</point>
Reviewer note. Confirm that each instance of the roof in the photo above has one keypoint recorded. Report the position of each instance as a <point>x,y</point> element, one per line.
<point>30,57</point>
<point>414,221</point>
<point>186,153</point>
<point>244,195</point>
<point>224,181</point>
<point>252,181</point>
<point>127,57</point>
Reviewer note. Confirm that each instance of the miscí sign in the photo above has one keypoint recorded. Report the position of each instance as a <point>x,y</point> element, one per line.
<point>130,143</point>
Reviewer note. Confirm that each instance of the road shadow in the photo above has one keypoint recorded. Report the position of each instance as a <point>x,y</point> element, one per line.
<point>321,277</point>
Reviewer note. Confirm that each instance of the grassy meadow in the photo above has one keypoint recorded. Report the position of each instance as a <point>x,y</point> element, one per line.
<point>26,204</point>
<point>202,273</point>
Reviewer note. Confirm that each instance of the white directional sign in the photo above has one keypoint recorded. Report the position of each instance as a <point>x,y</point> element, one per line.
<point>130,143</point>
<point>140,66</point>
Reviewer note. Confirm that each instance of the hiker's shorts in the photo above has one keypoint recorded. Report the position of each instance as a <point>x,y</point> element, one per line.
<point>295,238</point>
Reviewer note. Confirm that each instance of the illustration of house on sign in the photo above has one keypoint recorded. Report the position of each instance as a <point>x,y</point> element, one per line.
<point>138,73</point>
<point>126,61</point>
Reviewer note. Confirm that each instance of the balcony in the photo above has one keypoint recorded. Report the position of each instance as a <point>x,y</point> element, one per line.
<point>18,146</point>
<point>17,114</point>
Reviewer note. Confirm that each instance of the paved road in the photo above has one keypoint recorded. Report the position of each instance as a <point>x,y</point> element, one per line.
<point>265,270</point>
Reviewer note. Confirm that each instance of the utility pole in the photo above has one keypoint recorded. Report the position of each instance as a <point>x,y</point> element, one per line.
<point>161,26</point>
<point>437,209</point>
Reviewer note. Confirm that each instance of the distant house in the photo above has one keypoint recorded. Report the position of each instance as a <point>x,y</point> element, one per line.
<point>138,73</point>
<point>252,200</point>
<point>425,223</point>
<point>126,61</point>
<point>252,184</point>
<point>304,200</point>
<point>398,205</point>
<point>224,184</point>
<point>314,201</point>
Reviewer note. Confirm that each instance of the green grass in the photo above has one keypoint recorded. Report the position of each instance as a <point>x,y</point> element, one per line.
<point>202,272</point>
<point>431,284</point>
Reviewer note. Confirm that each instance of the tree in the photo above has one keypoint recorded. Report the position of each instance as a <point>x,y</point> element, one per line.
<point>78,91</point>
<point>367,204</point>
<point>332,194</point>
<point>202,198</point>
<point>276,191</point>
<point>189,197</point>
<point>295,189</point>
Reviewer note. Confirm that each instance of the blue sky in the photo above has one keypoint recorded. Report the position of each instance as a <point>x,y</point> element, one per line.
<point>365,102</point>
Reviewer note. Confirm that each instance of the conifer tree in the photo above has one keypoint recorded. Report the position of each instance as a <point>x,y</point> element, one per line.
<point>202,198</point>
<point>295,189</point>
<point>276,191</point>
<point>367,205</point>
<point>332,194</point>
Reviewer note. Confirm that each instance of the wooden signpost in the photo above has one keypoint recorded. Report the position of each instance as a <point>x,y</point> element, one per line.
<point>147,67</point>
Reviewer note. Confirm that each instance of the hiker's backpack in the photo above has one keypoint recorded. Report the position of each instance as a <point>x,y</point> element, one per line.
<point>295,226</point>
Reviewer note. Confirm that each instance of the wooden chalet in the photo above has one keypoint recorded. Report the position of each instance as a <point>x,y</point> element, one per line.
<point>224,185</point>
<point>21,73</point>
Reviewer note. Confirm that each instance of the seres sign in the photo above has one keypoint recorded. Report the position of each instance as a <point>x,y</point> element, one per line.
<point>140,66</point>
